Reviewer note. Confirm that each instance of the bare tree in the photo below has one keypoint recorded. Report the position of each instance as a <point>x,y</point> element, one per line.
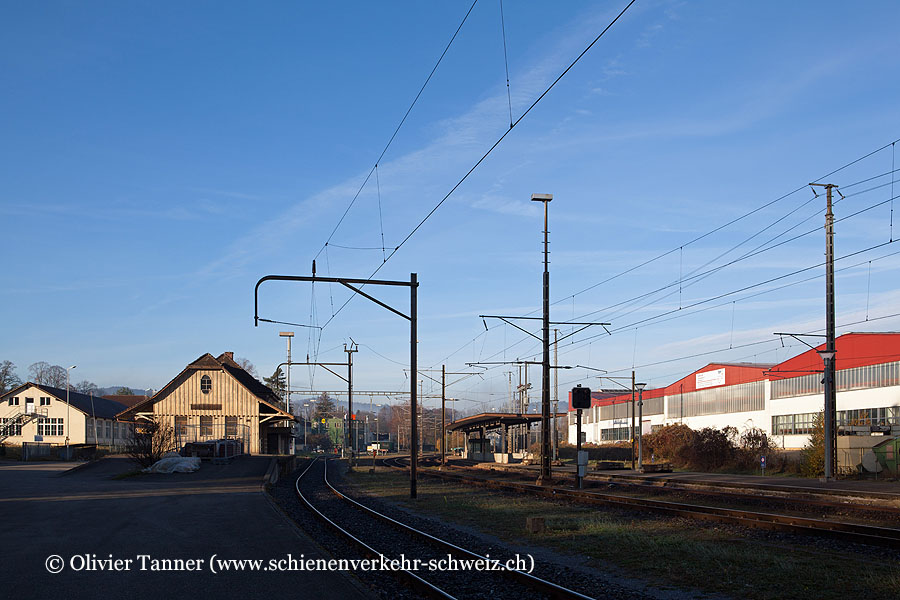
<point>247,366</point>
<point>150,441</point>
<point>43,373</point>
<point>38,372</point>
<point>56,377</point>
<point>8,377</point>
<point>86,387</point>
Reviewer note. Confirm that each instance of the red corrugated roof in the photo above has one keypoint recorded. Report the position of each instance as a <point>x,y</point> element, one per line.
<point>853,350</point>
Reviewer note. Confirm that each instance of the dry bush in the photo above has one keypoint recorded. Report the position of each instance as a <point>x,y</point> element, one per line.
<point>673,443</point>
<point>150,441</point>
<point>712,449</point>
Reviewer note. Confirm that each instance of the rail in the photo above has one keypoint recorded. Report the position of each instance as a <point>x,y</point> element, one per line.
<point>866,534</point>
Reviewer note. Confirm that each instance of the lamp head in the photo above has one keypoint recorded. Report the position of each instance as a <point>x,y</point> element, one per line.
<point>640,386</point>
<point>541,197</point>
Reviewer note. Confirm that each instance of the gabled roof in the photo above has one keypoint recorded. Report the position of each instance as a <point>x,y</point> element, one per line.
<point>224,362</point>
<point>126,399</point>
<point>97,406</point>
<point>256,387</point>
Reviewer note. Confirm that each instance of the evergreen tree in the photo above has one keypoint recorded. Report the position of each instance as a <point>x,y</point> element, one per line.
<point>277,382</point>
<point>324,407</point>
<point>812,462</point>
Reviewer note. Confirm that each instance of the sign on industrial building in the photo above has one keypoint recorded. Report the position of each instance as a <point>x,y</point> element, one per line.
<point>710,378</point>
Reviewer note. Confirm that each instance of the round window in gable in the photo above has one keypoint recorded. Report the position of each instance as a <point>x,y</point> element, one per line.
<point>205,384</point>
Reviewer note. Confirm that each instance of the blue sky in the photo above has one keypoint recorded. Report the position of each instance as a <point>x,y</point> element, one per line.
<point>159,159</point>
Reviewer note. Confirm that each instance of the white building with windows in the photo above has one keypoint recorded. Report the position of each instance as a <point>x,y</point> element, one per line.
<point>780,399</point>
<point>36,413</point>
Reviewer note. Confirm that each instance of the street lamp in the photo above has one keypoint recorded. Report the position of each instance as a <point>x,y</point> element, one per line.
<point>68,423</point>
<point>640,388</point>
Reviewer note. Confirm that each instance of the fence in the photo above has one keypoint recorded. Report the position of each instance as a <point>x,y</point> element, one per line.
<point>32,450</point>
<point>186,434</point>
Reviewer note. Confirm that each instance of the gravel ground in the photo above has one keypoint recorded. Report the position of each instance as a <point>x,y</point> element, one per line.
<point>387,539</point>
<point>577,573</point>
<point>846,512</point>
<point>792,541</point>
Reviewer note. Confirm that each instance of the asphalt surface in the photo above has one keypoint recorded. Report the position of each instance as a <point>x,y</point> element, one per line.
<point>219,510</point>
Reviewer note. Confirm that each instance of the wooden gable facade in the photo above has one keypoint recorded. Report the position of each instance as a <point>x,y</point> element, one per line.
<point>214,398</point>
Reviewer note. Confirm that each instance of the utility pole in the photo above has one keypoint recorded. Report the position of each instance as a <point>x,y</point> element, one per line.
<point>829,353</point>
<point>351,420</point>
<point>555,395</point>
<point>632,420</point>
<point>545,476</point>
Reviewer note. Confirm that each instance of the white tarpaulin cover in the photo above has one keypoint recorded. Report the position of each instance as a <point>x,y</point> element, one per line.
<point>173,462</point>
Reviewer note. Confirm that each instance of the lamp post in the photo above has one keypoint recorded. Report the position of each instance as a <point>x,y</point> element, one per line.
<point>640,432</point>
<point>68,423</point>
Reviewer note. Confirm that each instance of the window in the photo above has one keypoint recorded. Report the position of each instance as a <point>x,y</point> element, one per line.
<point>50,427</point>
<point>793,424</point>
<point>10,428</point>
<point>205,384</point>
<point>14,401</point>
<point>742,397</point>
<point>206,426</point>
<point>230,427</point>
<point>45,401</point>
<point>181,424</point>
<point>108,430</point>
<point>615,434</point>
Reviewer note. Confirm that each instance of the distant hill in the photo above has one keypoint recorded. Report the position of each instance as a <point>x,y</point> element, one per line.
<point>109,391</point>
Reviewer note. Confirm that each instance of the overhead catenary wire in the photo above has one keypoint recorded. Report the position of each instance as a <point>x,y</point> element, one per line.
<point>380,217</point>
<point>487,153</point>
<point>676,313</point>
<point>729,223</point>
<point>694,277</point>
<point>726,294</point>
<point>506,65</point>
<point>399,125</point>
<point>754,252</point>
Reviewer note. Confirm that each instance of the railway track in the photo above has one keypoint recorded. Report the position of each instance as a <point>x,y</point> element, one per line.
<point>809,497</point>
<point>396,540</point>
<point>848,532</point>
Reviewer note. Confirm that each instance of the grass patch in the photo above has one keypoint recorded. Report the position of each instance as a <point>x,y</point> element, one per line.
<point>665,551</point>
<point>127,474</point>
